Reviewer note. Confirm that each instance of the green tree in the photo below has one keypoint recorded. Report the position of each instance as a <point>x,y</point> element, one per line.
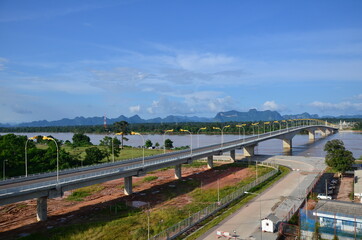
<point>148,143</point>
<point>157,144</point>
<point>168,143</point>
<point>81,140</point>
<point>93,155</point>
<point>338,158</point>
<point>122,127</point>
<point>107,142</point>
<point>12,151</point>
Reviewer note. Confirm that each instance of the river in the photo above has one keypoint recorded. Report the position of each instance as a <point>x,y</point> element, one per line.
<point>301,144</point>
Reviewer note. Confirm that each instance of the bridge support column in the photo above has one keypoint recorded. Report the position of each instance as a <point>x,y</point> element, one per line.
<point>41,208</point>
<point>324,133</point>
<point>287,143</point>
<point>232,155</point>
<point>178,174</point>
<point>311,135</point>
<point>249,151</point>
<point>128,185</point>
<point>210,161</point>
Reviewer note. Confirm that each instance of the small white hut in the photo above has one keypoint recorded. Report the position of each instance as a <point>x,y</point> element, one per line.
<point>269,224</point>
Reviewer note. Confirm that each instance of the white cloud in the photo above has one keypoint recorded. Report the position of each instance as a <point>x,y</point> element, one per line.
<point>273,106</point>
<point>341,107</point>
<point>201,62</point>
<point>135,109</point>
<point>2,63</point>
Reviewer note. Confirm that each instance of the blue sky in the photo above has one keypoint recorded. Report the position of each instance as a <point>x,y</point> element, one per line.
<point>156,58</point>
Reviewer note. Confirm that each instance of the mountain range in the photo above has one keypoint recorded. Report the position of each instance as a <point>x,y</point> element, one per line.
<point>229,116</point>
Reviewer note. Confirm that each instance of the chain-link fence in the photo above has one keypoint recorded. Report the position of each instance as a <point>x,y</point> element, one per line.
<point>183,226</point>
<point>330,224</point>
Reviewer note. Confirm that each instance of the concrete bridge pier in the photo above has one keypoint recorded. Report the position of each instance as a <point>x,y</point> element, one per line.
<point>210,161</point>
<point>249,150</point>
<point>232,155</point>
<point>178,174</point>
<point>287,143</point>
<point>41,209</point>
<point>128,185</point>
<point>311,134</point>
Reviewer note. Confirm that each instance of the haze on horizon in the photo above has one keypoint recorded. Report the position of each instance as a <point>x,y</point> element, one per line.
<point>62,59</point>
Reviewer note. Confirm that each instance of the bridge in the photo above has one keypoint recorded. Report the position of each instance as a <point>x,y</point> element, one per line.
<point>52,185</point>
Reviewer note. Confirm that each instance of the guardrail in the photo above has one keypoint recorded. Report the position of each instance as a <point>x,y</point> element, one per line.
<point>238,143</point>
<point>183,226</point>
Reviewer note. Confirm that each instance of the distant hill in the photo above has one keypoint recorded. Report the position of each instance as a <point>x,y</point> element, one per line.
<point>229,116</point>
<point>345,116</point>
<point>301,116</point>
<point>251,115</point>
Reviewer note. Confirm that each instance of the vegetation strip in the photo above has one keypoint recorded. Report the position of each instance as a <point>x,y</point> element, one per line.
<point>211,209</point>
<point>234,206</point>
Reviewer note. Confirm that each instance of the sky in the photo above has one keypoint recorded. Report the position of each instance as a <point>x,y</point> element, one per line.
<point>154,58</point>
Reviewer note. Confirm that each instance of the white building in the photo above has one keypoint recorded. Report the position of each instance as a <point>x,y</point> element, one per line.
<point>269,224</point>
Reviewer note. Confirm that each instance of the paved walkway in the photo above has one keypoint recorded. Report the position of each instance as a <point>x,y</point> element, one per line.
<point>278,199</point>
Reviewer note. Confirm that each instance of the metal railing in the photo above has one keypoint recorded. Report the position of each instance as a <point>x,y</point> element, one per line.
<point>119,168</point>
<point>183,226</point>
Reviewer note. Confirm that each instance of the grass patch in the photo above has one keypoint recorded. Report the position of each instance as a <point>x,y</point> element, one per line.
<point>81,193</point>
<point>149,178</point>
<point>121,222</point>
<point>234,206</point>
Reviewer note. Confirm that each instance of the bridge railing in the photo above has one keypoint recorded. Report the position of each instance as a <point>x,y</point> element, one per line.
<point>186,154</point>
<point>183,226</point>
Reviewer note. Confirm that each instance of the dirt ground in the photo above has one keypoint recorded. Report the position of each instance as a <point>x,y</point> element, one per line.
<point>345,188</point>
<point>20,219</point>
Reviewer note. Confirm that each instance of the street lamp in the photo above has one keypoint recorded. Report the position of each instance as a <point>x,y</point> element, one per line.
<point>184,130</point>
<point>280,125</point>
<point>4,169</point>
<point>268,123</point>
<point>143,147</point>
<point>198,137</point>
<point>241,126</point>
<point>56,144</point>
<point>261,230</point>
<point>119,133</point>
<point>255,124</point>
<point>164,145</point>
<point>26,154</point>
<point>217,128</point>
<point>222,135</point>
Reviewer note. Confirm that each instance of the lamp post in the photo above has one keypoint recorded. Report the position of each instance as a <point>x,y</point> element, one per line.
<point>241,126</point>
<point>198,137</point>
<point>26,154</point>
<point>217,128</point>
<point>261,230</point>
<point>143,147</point>
<point>222,135</point>
<point>267,123</point>
<point>4,169</point>
<point>56,144</point>
<point>280,126</point>
<point>164,145</point>
<point>255,124</point>
<point>184,130</point>
<point>119,133</point>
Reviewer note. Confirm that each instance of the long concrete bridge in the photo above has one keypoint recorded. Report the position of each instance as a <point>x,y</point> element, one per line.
<point>44,186</point>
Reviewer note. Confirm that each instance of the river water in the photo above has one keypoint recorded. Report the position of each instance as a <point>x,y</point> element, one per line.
<point>301,144</point>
